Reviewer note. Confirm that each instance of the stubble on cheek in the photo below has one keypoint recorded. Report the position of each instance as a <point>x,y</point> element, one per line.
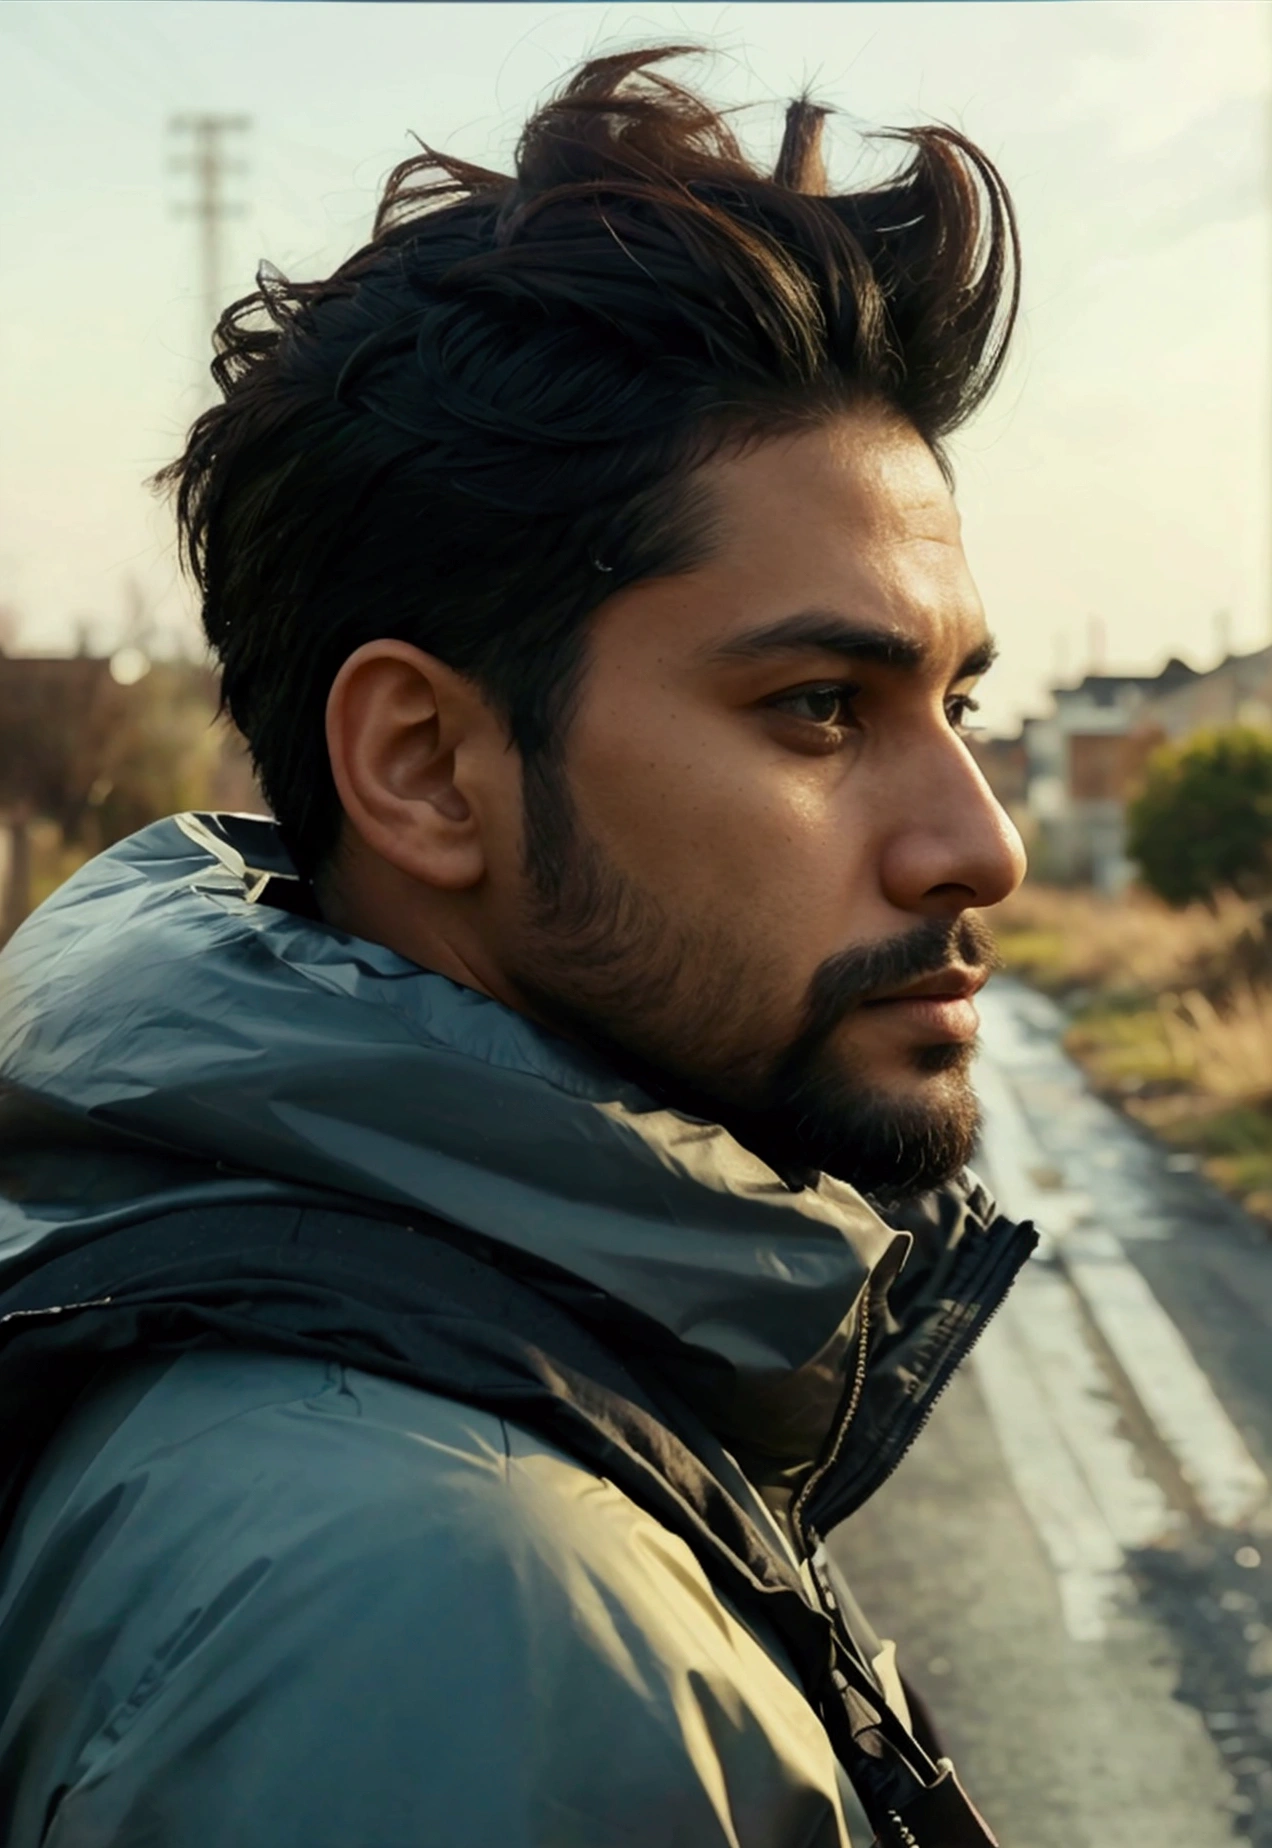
<point>685,993</point>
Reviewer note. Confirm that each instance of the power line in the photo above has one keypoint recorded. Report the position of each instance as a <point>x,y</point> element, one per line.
<point>209,161</point>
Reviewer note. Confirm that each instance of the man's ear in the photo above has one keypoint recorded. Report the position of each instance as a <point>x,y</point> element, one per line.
<point>406,736</point>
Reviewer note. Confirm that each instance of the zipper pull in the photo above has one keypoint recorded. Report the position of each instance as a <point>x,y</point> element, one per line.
<point>821,1577</point>
<point>943,1815</point>
<point>898,1836</point>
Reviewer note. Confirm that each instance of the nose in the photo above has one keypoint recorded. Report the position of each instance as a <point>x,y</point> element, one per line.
<point>954,847</point>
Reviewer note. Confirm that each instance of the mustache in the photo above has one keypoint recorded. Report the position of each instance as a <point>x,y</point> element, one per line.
<point>866,971</point>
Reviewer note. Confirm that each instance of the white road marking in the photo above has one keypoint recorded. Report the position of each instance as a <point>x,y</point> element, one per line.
<point>1014,1159</point>
<point>1077,1391</point>
<point>1084,1554</point>
<point>1230,1488</point>
<point>1173,1390</point>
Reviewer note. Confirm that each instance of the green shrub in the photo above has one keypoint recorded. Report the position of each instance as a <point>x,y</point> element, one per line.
<point>1203,819</point>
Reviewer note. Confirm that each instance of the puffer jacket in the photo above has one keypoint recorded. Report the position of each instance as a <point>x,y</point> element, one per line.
<point>405,1419</point>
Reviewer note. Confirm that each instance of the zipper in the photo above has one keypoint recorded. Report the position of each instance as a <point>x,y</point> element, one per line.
<point>850,1411</point>
<point>991,1278</point>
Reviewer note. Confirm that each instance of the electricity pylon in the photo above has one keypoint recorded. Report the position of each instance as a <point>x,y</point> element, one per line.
<point>210,162</point>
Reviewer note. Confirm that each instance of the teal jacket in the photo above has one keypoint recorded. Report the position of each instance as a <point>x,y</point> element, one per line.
<point>263,1598</point>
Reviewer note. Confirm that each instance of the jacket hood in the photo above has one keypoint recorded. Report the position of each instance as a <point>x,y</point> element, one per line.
<point>186,1033</point>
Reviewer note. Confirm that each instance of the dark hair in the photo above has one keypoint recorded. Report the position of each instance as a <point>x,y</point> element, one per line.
<point>482,424</point>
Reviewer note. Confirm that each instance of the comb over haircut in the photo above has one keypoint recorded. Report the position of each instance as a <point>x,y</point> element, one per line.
<point>488,419</point>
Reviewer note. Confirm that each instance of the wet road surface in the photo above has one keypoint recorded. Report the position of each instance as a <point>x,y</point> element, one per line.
<point>1076,1559</point>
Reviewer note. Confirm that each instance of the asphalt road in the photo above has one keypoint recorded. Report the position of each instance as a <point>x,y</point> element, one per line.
<point>1076,1559</point>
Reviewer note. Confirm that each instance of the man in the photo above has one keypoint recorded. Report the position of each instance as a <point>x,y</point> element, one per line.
<point>468,1242</point>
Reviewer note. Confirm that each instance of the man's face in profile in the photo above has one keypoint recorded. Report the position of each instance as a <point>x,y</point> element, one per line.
<point>773,844</point>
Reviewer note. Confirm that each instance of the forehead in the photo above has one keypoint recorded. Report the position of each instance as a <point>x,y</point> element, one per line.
<point>853,517</point>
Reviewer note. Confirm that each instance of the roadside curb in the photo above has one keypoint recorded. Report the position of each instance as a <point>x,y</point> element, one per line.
<point>1173,1394</point>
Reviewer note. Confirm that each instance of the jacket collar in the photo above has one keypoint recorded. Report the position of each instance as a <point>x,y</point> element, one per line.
<point>157,1000</point>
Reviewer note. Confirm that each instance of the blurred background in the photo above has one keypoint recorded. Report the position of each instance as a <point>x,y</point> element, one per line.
<point>1117,493</point>
<point>1117,497</point>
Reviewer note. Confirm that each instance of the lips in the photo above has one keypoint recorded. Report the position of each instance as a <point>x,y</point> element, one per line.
<point>937,1009</point>
<point>956,984</point>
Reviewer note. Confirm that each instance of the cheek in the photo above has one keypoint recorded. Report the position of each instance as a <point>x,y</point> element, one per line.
<point>717,822</point>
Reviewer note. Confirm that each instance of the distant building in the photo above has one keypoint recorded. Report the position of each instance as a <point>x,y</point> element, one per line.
<point>1005,763</point>
<point>1068,775</point>
<point>1236,692</point>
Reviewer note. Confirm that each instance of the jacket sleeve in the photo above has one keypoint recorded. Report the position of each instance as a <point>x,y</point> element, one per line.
<point>394,1639</point>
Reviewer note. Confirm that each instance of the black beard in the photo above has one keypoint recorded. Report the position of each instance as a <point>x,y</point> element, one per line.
<point>605,963</point>
<point>817,1117</point>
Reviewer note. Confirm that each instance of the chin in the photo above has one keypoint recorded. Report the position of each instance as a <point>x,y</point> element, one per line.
<point>946,1056</point>
<point>925,1075</point>
<point>892,1136</point>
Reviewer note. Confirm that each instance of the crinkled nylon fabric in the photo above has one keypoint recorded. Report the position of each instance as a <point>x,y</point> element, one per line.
<point>155,996</point>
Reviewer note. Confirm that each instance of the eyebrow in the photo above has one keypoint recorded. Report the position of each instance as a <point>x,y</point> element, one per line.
<point>827,632</point>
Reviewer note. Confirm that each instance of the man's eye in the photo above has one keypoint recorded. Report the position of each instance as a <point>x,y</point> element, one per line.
<point>959,710</point>
<point>826,705</point>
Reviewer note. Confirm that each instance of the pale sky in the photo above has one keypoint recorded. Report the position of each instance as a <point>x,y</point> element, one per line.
<point>1120,482</point>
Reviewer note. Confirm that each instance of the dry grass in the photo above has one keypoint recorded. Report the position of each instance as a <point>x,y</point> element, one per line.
<point>1225,1051</point>
<point>1063,940</point>
<point>1171,1015</point>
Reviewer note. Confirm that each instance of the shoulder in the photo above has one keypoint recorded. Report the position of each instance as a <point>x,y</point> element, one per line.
<point>422,1609</point>
<point>293,1482</point>
<point>221,1453</point>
